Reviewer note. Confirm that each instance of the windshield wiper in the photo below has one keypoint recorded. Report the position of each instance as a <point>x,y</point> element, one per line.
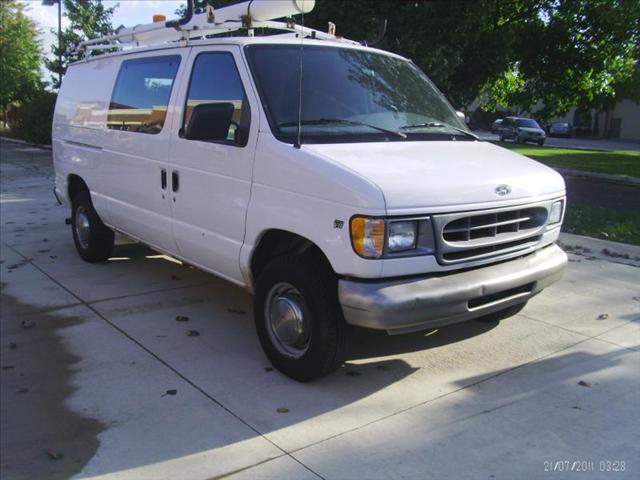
<point>439,125</point>
<point>342,121</point>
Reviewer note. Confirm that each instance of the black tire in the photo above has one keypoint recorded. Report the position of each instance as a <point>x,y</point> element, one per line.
<point>503,314</point>
<point>540,143</point>
<point>316,289</point>
<point>98,243</point>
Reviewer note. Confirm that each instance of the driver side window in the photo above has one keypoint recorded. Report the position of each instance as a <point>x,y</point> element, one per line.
<point>215,85</point>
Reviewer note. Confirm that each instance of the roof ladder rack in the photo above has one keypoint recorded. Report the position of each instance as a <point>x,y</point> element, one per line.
<point>246,15</point>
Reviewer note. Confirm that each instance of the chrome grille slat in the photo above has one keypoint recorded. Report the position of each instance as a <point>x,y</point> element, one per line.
<point>474,235</point>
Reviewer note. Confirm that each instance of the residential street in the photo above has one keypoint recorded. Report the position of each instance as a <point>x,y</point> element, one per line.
<point>576,142</point>
<point>101,379</point>
<point>591,192</point>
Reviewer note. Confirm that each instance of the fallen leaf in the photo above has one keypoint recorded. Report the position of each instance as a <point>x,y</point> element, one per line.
<point>603,316</point>
<point>170,392</point>
<point>583,383</point>
<point>576,407</point>
<point>27,324</point>
<point>193,333</point>
<point>282,410</point>
<point>53,455</point>
<point>182,318</point>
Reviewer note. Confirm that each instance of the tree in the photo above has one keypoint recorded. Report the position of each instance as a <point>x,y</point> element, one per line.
<point>580,53</point>
<point>20,55</point>
<point>88,19</point>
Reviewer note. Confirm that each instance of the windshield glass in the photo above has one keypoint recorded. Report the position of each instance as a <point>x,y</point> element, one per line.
<point>350,95</point>
<point>527,123</point>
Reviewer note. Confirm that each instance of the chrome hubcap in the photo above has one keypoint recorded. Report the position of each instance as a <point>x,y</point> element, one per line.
<point>82,227</point>
<point>287,322</point>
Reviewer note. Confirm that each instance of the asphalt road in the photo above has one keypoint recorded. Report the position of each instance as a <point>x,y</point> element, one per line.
<point>588,192</point>
<point>99,380</point>
<point>576,142</point>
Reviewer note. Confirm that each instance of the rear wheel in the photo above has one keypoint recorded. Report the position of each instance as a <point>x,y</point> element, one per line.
<point>503,314</point>
<point>298,318</point>
<point>93,239</point>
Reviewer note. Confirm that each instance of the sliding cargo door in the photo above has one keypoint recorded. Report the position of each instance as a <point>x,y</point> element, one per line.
<point>136,151</point>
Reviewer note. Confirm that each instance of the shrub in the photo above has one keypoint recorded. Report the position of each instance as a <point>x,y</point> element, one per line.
<point>36,117</point>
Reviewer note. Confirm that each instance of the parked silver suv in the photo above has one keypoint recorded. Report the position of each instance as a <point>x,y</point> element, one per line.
<point>522,130</point>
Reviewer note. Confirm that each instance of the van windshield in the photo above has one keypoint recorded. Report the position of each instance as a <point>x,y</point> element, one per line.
<point>349,95</point>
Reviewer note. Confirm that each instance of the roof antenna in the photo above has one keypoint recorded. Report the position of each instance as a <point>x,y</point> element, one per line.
<point>298,142</point>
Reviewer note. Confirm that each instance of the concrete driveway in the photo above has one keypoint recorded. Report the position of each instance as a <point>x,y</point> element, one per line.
<point>100,379</point>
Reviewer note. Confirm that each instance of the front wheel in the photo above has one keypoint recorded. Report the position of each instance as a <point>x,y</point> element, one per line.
<point>298,318</point>
<point>93,239</point>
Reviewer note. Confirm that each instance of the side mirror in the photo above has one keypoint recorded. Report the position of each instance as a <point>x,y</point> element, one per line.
<point>210,121</point>
<point>462,116</point>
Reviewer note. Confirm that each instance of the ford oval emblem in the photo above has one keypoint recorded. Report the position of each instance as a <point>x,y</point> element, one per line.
<point>503,190</point>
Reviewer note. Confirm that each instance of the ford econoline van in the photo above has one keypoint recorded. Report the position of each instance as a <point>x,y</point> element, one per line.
<point>332,180</point>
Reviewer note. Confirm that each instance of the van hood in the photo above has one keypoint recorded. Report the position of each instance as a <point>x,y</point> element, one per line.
<point>437,176</point>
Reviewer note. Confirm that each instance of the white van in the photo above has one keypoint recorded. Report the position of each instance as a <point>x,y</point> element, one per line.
<point>359,199</point>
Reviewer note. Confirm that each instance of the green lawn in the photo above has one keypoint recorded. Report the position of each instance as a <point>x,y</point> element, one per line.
<point>615,162</point>
<point>603,223</point>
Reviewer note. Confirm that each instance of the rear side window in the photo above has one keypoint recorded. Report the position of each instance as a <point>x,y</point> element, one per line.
<point>141,94</point>
<point>215,80</point>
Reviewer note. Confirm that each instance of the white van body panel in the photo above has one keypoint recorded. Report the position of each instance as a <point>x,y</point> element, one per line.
<point>298,192</point>
<point>79,128</point>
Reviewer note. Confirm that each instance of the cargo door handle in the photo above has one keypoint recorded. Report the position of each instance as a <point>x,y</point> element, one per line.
<point>163,179</point>
<point>175,181</point>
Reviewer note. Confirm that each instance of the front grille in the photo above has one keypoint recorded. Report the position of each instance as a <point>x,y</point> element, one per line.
<point>492,249</point>
<point>494,224</point>
<point>468,236</point>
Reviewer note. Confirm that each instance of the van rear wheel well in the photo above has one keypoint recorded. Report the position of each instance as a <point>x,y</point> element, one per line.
<point>76,185</point>
<point>275,243</point>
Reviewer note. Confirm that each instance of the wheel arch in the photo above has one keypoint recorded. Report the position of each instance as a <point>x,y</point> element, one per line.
<point>276,242</point>
<point>75,185</point>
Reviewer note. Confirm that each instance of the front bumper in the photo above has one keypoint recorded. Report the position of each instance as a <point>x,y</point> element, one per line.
<point>401,306</point>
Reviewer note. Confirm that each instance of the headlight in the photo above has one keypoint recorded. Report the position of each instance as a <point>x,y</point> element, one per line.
<point>402,236</point>
<point>390,238</point>
<point>555,213</point>
<point>367,236</point>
